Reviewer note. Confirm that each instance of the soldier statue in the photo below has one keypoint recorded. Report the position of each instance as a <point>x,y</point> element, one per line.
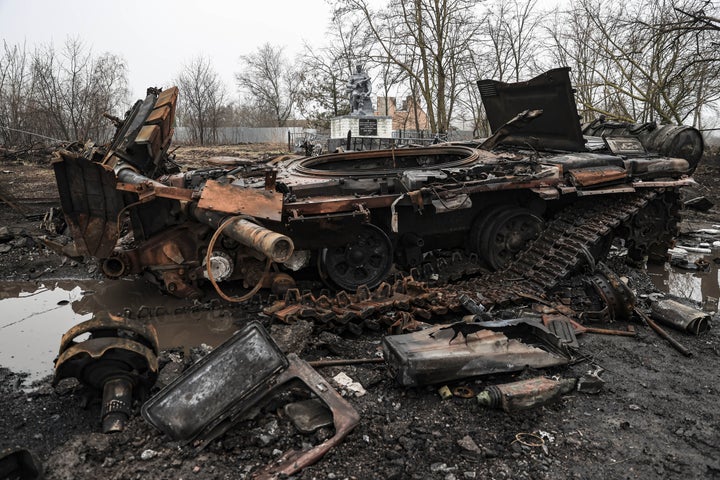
<point>359,88</point>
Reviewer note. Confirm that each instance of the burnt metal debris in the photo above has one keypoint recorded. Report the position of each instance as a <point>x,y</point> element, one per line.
<point>243,373</point>
<point>118,357</point>
<point>680,316</point>
<point>429,356</point>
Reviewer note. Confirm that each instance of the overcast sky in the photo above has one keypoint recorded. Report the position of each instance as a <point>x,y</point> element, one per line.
<point>157,37</point>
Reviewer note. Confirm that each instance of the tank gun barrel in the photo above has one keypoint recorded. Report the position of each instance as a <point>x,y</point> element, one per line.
<point>276,246</point>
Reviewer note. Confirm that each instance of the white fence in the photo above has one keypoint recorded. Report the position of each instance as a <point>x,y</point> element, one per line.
<point>233,135</point>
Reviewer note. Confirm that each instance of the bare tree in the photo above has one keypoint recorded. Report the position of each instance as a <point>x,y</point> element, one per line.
<point>271,82</point>
<point>644,60</point>
<point>201,101</point>
<point>512,29</point>
<point>71,89</point>
<point>14,94</point>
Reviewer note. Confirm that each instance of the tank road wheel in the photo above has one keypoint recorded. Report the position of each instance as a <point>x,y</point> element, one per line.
<point>503,233</point>
<point>365,260</point>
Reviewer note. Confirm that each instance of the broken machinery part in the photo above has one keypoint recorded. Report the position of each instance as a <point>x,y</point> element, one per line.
<point>681,317</point>
<point>662,333</point>
<point>118,357</point>
<point>525,394</point>
<point>428,356</point>
<point>243,373</point>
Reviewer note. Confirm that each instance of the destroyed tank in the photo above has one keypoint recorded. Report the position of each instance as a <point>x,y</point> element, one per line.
<point>357,217</point>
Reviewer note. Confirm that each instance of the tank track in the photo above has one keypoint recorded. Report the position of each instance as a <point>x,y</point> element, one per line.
<point>571,241</point>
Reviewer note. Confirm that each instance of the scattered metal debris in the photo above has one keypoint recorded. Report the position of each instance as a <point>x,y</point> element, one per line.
<point>242,373</point>
<point>675,344</point>
<point>308,415</point>
<point>591,382</point>
<point>119,357</point>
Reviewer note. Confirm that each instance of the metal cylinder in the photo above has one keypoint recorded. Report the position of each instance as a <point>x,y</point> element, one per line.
<point>117,404</point>
<point>678,141</point>
<point>126,174</point>
<point>276,246</point>
<point>681,317</point>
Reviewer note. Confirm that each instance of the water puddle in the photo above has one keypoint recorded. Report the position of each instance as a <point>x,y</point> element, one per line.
<point>697,285</point>
<point>33,319</point>
<point>35,316</point>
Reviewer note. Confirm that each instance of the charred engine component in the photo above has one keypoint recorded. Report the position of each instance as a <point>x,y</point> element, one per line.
<point>119,357</point>
<point>676,141</point>
<point>240,375</point>
<point>275,246</point>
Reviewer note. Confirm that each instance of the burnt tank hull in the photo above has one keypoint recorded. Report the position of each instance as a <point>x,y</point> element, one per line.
<point>355,217</point>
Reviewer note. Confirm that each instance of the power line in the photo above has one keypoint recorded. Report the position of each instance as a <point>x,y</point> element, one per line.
<point>35,134</point>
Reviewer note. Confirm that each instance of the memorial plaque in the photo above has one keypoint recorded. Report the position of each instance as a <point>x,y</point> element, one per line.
<point>367,127</point>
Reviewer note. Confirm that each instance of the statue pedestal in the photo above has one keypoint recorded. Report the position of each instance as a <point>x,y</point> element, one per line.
<point>361,126</point>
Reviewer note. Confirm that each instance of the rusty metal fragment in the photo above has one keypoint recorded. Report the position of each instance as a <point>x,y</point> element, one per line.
<point>525,394</point>
<point>264,204</point>
<point>119,356</point>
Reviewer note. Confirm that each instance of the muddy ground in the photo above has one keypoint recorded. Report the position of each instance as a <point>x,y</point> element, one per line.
<point>657,416</point>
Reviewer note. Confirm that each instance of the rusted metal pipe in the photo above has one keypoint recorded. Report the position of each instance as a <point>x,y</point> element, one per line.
<point>126,174</point>
<point>276,246</point>
<point>340,362</point>
<point>676,345</point>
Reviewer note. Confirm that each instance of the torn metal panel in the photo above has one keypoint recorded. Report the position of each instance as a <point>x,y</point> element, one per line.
<point>495,347</point>
<point>264,204</point>
<point>220,389</point>
<point>558,126</point>
<point>90,202</point>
